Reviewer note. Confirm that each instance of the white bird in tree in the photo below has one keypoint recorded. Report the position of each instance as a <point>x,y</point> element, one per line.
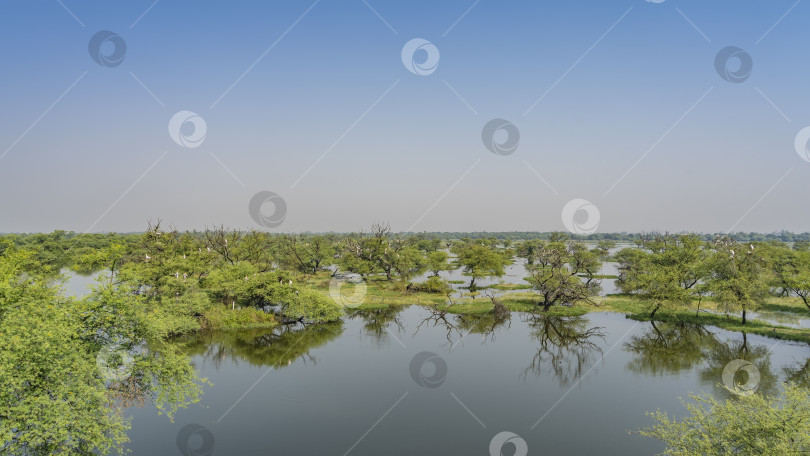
<point>209,249</point>
<point>185,276</point>
<point>732,254</point>
<point>148,258</point>
<point>199,249</point>
<point>752,246</point>
<point>176,275</point>
<point>184,256</point>
<point>290,284</point>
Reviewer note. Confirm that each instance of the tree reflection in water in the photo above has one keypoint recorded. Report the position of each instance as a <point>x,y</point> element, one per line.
<point>720,354</point>
<point>799,374</point>
<point>672,347</point>
<point>276,348</point>
<point>567,345</point>
<point>484,324</point>
<point>377,323</point>
<point>669,348</point>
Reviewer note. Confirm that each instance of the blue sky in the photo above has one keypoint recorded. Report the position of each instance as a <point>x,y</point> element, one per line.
<point>618,103</point>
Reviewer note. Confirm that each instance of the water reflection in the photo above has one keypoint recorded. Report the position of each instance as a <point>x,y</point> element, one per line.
<point>798,374</point>
<point>456,326</point>
<point>675,347</point>
<point>276,348</point>
<point>534,359</point>
<point>568,346</point>
<point>669,348</point>
<point>377,323</point>
<point>485,324</point>
<point>723,353</point>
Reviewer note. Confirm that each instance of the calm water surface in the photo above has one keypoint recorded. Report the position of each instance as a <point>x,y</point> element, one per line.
<point>567,386</point>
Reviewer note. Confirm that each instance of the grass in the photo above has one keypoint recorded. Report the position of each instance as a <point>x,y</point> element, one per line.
<point>788,305</point>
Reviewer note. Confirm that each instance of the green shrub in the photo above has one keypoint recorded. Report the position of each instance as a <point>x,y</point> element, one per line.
<point>220,317</point>
<point>433,284</point>
<point>312,307</point>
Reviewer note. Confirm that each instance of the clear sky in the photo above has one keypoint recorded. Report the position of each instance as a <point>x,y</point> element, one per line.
<point>620,103</point>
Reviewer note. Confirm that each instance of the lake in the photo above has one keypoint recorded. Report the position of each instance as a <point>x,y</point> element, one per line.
<point>366,386</point>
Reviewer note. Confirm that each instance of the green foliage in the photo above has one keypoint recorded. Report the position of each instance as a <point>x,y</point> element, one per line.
<point>222,318</point>
<point>381,252</point>
<point>791,269</point>
<point>433,284</point>
<point>480,260</point>
<point>56,396</point>
<point>738,277</point>
<point>312,307</point>
<point>53,401</point>
<point>555,267</point>
<point>307,253</point>
<point>437,262</point>
<point>665,271</point>
<point>752,425</point>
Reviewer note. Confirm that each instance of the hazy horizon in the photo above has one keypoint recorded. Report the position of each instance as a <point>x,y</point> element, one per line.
<point>649,115</point>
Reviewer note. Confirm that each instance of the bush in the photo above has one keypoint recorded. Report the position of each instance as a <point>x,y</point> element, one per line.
<point>747,425</point>
<point>220,317</point>
<point>312,307</point>
<point>433,284</point>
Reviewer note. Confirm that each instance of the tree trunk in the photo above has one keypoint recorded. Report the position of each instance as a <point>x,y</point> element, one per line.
<point>652,315</point>
<point>547,306</point>
<point>743,317</point>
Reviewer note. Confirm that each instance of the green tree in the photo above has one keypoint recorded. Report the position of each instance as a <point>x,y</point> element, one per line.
<point>791,271</point>
<point>69,368</point>
<point>307,254</point>
<point>437,262</point>
<point>555,269</point>
<point>380,251</point>
<point>751,425</point>
<point>738,277</point>
<point>664,271</point>
<point>604,247</point>
<point>479,260</point>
